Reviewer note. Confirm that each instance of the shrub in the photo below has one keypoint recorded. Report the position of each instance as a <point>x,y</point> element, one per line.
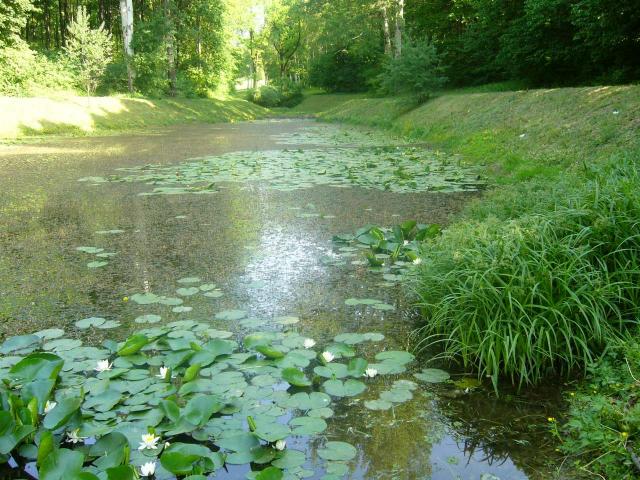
<point>416,71</point>
<point>25,72</point>
<point>269,96</point>
<point>544,293</point>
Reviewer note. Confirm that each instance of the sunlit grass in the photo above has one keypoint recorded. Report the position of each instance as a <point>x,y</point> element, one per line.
<point>21,117</point>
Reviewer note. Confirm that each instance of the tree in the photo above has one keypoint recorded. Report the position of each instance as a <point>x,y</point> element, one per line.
<point>13,18</point>
<point>417,71</point>
<point>88,50</point>
<point>126,14</point>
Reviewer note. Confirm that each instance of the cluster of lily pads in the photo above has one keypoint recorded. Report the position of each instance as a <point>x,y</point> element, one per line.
<point>390,252</point>
<point>100,254</point>
<point>332,135</point>
<point>182,400</point>
<point>396,169</point>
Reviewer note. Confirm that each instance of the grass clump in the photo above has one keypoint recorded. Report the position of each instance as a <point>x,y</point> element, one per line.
<point>544,292</point>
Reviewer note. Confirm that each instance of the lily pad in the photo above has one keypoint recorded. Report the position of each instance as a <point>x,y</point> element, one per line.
<point>231,315</point>
<point>432,375</point>
<point>90,322</point>
<point>149,318</point>
<point>337,451</point>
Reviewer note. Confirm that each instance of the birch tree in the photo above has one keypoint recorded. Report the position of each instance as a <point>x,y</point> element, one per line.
<point>126,14</point>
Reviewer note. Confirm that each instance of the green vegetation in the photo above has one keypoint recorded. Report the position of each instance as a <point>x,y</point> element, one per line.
<point>81,115</point>
<point>545,292</point>
<point>181,399</point>
<point>603,426</point>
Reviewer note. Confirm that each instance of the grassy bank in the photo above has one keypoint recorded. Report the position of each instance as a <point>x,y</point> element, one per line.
<point>518,134</point>
<point>28,117</point>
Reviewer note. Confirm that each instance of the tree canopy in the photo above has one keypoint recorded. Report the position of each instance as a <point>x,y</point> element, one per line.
<point>196,47</point>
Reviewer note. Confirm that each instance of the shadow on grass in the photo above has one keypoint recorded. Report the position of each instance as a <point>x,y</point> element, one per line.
<point>32,117</point>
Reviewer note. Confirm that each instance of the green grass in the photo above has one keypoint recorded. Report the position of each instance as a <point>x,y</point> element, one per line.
<point>541,291</point>
<point>28,117</point>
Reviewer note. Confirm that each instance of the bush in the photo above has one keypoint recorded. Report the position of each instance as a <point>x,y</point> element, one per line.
<point>544,293</point>
<point>25,72</point>
<point>416,71</point>
<point>269,96</point>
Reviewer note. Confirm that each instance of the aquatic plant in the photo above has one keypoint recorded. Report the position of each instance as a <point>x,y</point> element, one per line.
<point>391,252</point>
<point>177,400</point>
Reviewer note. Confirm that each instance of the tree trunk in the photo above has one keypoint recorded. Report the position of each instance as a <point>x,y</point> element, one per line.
<point>399,28</point>
<point>62,24</point>
<point>126,13</point>
<point>171,50</point>
<point>387,30</point>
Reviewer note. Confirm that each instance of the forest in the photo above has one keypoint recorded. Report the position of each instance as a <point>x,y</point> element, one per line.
<point>199,47</point>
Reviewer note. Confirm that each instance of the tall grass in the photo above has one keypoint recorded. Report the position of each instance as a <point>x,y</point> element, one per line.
<point>542,293</point>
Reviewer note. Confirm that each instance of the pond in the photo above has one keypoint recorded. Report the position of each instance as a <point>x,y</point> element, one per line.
<point>218,232</point>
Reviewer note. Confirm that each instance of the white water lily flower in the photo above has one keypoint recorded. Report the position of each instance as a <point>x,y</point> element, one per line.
<point>103,366</point>
<point>149,442</point>
<point>74,437</point>
<point>417,261</point>
<point>327,356</point>
<point>163,372</point>
<point>309,343</point>
<point>280,445</point>
<point>370,372</point>
<point>148,469</point>
<point>49,406</point>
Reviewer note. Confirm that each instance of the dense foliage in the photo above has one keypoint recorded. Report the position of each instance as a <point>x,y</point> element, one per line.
<point>545,292</point>
<point>180,47</point>
<point>195,47</point>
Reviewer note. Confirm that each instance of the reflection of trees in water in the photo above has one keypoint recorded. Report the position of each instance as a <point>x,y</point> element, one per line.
<point>391,444</point>
<point>510,427</point>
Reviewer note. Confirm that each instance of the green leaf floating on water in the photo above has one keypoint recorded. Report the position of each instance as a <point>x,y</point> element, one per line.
<point>307,425</point>
<point>97,264</point>
<point>184,458</point>
<point>91,250</point>
<point>90,322</point>
<point>149,318</point>
<point>133,345</point>
<point>432,375</point>
<point>295,377</point>
<point>349,388</point>
<point>231,315</point>
<point>337,451</point>
<point>61,464</point>
<point>378,404</point>
<point>270,473</point>
<point>187,291</point>
<point>62,412</point>
<point>19,342</point>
